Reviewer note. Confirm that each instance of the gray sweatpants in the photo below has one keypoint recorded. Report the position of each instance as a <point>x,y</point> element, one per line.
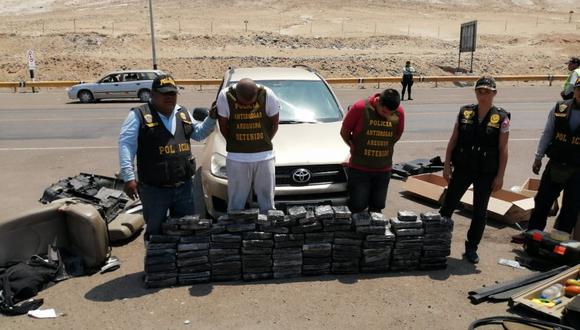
<point>243,176</point>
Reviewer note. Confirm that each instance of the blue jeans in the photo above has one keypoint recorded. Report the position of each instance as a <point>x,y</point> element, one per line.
<point>158,200</point>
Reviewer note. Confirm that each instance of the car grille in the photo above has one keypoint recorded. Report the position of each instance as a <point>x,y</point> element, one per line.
<point>320,174</point>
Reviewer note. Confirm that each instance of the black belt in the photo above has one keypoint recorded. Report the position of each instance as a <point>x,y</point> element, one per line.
<point>171,185</point>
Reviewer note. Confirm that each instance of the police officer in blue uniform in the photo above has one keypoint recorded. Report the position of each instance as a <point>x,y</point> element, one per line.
<point>476,154</point>
<point>158,133</point>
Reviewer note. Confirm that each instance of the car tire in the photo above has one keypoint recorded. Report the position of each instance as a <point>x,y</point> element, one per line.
<point>86,96</point>
<point>144,95</point>
<point>198,199</point>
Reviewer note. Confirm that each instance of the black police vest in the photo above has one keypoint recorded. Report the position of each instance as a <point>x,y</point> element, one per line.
<point>565,144</point>
<point>249,128</point>
<point>477,147</point>
<point>373,147</point>
<point>162,158</point>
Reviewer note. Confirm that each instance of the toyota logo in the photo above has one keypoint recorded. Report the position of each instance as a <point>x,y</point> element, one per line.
<point>301,175</point>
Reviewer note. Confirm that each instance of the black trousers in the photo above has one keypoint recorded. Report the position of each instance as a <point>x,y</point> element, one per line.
<point>547,194</point>
<point>367,190</point>
<point>460,181</point>
<point>406,86</point>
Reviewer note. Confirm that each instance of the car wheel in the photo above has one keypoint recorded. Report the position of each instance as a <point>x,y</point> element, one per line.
<point>144,95</point>
<point>86,96</point>
<point>198,199</point>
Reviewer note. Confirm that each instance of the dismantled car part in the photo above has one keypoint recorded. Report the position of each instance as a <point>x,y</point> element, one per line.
<point>417,166</point>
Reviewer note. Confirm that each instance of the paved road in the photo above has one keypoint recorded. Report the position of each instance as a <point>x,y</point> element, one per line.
<point>43,138</point>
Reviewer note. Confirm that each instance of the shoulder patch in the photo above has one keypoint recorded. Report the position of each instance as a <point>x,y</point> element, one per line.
<point>468,114</point>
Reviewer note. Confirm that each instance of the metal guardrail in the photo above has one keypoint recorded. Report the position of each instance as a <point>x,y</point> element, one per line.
<point>363,80</point>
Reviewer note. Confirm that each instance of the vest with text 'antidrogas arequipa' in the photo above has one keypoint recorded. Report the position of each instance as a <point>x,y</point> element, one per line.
<point>249,128</point>
<point>373,146</point>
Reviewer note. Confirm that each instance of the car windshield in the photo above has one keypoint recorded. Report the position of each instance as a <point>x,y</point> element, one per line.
<point>304,101</point>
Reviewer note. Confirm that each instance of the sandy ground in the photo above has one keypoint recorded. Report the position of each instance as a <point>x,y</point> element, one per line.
<point>82,40</point>
<point>43,125</point>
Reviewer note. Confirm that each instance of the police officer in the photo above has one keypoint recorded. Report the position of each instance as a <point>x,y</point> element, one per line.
<point>371,128</point>
<point>561,142</point>
<point>478,153</point>
<point>574,68</point>
<point>158,132</point>
<point>407,80</point>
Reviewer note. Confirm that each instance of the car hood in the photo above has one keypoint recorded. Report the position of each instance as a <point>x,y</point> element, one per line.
<point>303,144</point>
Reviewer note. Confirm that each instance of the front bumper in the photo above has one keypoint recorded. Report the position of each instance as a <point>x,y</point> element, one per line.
<point>216,194</point>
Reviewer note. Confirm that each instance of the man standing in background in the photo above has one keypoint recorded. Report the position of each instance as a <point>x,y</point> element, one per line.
<point>407,80</point>
<point>568,88</point>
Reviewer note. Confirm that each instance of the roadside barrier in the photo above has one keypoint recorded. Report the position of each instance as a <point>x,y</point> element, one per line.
<point>346,81</point>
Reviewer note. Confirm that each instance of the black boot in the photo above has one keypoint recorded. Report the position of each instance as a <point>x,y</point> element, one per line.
<point>471,253</point>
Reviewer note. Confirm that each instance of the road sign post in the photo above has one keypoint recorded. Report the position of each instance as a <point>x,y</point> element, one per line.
<point>31,65</point>
<point>467,41</point>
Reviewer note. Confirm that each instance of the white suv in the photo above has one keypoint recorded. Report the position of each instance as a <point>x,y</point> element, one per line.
<point>310,154</point>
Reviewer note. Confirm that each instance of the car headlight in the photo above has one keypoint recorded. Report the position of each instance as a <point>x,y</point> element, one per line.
<point>218,166</point>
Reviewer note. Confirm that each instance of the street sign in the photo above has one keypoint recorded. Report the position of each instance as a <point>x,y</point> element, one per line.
<point>467,41</point>
<point>468,36</point>
<point>30,57</point>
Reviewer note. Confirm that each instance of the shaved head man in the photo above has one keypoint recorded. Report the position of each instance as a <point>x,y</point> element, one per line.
<point>248,120</point>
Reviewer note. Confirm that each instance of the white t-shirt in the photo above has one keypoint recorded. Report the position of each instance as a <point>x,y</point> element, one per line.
<point>272,109</point>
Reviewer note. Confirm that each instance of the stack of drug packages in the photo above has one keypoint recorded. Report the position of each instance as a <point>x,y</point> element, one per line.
<point>408,230</point>
<point>287,251</point>
<point>347,248</point>
<point>180,255</point>
<point>378,244</point>
<point>225,248</point>
<point>257,252</point>
<point>436,241</point>
<point>317,248</point>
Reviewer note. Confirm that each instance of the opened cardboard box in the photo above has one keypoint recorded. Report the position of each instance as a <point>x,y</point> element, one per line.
<point>530,188</point>
<point>429,186</point>
<point>504,205</point>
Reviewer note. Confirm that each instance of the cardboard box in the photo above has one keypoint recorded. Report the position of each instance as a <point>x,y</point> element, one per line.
<point>525,298</point>
<point>504,205</point>
<point>530,188</point>
<point>429,186</point>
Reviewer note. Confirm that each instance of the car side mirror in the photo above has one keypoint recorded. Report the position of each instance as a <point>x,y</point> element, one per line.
<point>200,114</point>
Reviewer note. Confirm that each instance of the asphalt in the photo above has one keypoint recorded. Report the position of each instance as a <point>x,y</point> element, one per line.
<point>45,137</point>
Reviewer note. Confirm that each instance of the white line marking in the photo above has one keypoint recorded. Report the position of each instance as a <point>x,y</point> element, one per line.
<point>439,141</point>
<point>61,119</point>
<point>56,148</point>
<point>200,146</point>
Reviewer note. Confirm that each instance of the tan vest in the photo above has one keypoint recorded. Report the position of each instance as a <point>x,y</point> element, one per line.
<point>373,147</point>
<point>249,128</point>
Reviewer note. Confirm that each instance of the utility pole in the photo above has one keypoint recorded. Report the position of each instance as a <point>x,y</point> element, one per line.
<point>152,35</point>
